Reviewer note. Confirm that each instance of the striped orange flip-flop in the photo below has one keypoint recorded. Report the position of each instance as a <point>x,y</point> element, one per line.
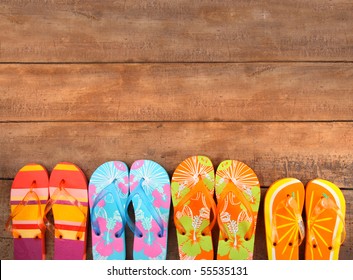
<point>325,208</point>
<point>285,231</point>
<point>29,195</point>
<point>69,203</point>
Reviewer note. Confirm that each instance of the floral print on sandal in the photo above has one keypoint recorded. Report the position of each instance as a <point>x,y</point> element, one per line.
<point>192,196</point>
<point>150,196</point>
<point>108,193</point>
<point>238,197</point>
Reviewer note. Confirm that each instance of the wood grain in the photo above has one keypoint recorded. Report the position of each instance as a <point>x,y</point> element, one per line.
<point>175,31</point>
<point>260,252</point>
<point>304,150</point>
<point>177,92</point>
<point>269,83</point>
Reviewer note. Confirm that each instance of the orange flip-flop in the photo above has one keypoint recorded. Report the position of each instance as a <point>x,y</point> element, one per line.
<point>69,202</point>
<point>284,202</point>
<point>238,199</point>
<point>192,195</point>
<point>325,208</point>
<point>29,195</point>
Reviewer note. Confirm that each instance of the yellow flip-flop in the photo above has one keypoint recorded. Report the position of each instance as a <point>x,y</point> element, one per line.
<point>325,208</point>
<point>69,203</point>
<point>285,231</point>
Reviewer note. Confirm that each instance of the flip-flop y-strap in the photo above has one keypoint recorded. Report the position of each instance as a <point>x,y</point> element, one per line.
<point>291,206</point>
<point>197,190</point>
<point>20,207</point>
<point>139,191</point>
<point>228,191</point>
<point>109,190</point>
<point>325,204</point>
<point>59,193</point>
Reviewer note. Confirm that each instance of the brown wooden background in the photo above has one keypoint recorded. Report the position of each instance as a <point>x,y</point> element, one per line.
<point>269,83</point>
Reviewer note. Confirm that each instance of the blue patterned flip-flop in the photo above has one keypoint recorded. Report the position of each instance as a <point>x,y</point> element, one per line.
<point>108,193</point>
<point>150,196</point>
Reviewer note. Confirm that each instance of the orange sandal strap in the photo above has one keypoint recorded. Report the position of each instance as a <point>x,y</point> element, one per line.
<point>21,206</point>
<point>229,189</point>
<point>288,203</point>
<point>326,204</point>
<point>199,187</point>
<point>59,192</point>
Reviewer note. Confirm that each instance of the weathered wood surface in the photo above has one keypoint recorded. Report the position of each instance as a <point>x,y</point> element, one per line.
<point>260,252</point>
<point>304,150</point>
<point>177,92</point>
<point>269,83</point>
<point>175,31</point>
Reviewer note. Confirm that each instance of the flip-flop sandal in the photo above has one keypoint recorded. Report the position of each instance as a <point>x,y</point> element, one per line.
<point>325,209</point>
<point>238,200</point>
<point>284,225</point>
<point>150,196</point>
<point>108,191</point>
<point>29,195</point>
<point>192,196</point>
<point>69,203</point>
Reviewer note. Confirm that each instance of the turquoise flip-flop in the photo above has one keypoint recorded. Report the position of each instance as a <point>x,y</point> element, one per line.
<point>150,196</point>
<point>108,194</point>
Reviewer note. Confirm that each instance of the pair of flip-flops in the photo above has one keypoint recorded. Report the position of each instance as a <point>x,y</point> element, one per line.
<point>111,189</point>
<point>33,195</point>
<point>238,197</point>
<point>325,219</point>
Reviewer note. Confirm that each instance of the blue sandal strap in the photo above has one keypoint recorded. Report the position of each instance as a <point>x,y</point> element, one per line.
<point>110,189</point>
<point>147,202</point>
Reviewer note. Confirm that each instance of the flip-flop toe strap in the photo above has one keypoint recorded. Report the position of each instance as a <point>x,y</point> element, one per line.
<point>108,190</point>
<point>290,205</point>
<point>198,188</point>
<point>59,192</point>
<point>139,191</point>
<point>21,206</point>
<point>326,204</point>
<point>228,190</point>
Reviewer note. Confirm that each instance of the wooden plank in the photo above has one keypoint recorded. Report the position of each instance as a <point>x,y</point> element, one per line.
<point>175,31</point>
<point>177,92</point>
<point>260,252</point>
<point>304,150</point>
